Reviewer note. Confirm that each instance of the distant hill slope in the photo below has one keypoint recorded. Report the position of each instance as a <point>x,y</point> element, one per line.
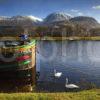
<point>88,22</point>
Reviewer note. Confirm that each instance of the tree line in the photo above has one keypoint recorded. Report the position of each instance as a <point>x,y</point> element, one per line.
<point>65,30</point>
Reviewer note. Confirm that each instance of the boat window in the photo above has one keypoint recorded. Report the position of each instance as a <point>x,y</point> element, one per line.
<point>11,43</point>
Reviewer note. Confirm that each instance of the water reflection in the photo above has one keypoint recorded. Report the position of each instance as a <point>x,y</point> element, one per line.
<point>77,60</point>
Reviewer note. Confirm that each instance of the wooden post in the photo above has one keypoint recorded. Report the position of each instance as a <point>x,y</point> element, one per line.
<point>33,65</point>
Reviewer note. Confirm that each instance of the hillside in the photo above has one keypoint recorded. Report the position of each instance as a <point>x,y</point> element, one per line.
<point>85,21</point>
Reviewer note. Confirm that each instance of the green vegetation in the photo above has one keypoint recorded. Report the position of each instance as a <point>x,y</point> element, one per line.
<point>83,95</point>
<point>66,30</point>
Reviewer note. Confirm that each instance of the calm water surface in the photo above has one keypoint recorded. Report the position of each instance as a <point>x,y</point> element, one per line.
<point>77,60</point>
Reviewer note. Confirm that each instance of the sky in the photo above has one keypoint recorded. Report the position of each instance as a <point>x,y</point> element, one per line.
<point>41,8</point>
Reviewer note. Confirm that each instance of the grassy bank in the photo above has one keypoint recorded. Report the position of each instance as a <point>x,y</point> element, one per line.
<point>92,38</point>
<point>83,95</point>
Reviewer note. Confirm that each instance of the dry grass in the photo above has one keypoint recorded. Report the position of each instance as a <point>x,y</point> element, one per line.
<point>68,38</point>
<point>83,95</point>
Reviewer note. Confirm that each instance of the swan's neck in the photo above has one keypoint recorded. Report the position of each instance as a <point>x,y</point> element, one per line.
<point>66,80</point>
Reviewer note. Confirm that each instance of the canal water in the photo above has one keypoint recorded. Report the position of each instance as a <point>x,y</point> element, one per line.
<point>79,61</point>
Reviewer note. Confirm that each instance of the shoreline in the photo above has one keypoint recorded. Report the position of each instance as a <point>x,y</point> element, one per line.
<point>71,38</point>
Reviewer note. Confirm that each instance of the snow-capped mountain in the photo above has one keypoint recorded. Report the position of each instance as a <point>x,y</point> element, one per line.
<point>4,18</point>
<point>35,18</point>
<point>32,18</point>
<point>20,20</point>
<point>57,17</point>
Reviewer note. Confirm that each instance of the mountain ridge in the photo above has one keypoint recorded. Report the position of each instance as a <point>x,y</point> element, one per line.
<point>53,18</point>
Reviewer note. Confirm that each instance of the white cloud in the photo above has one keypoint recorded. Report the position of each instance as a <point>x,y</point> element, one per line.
<point>80,13</point>
<point>96,7</point>
<point>74,10</point>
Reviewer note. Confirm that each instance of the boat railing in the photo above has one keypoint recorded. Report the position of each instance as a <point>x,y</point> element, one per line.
<point>22,48</point>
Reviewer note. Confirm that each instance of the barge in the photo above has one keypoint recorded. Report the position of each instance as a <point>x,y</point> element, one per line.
<point>17,59</point>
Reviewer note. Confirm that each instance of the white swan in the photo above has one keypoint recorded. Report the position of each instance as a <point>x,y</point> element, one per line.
<point>70,86</point>
<point>57,74</point>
